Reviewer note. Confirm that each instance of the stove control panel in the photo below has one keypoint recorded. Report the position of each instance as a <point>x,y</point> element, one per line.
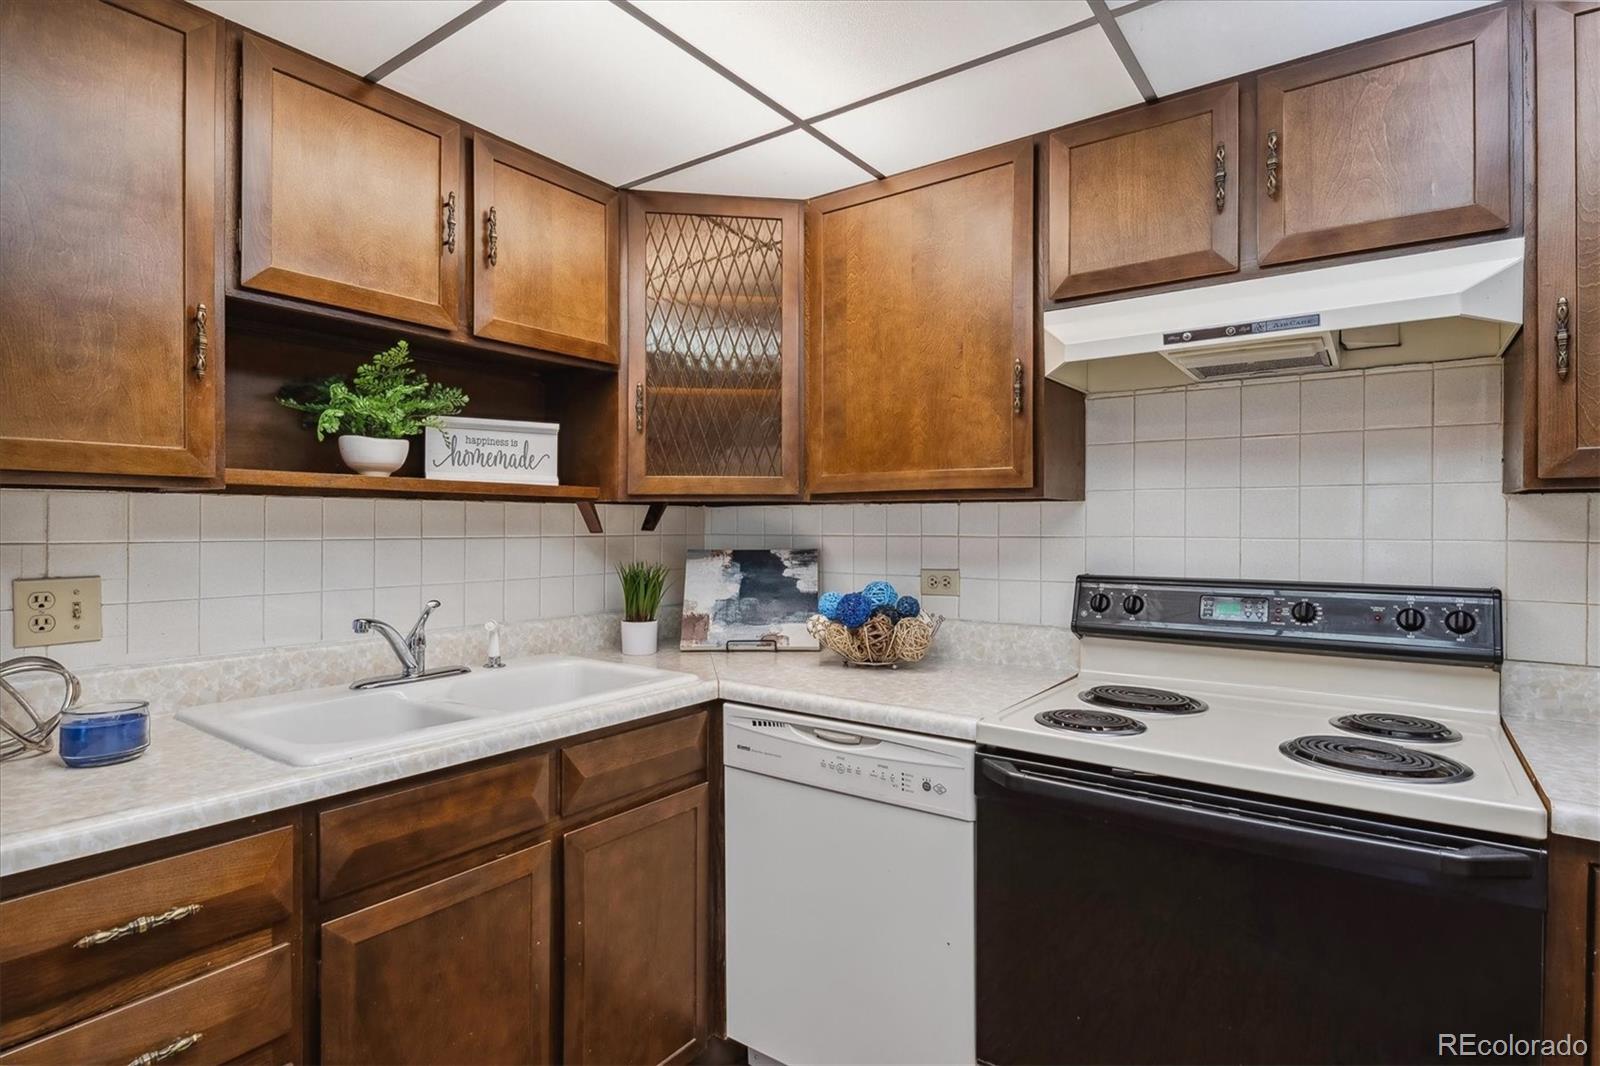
<point>1387,621</point>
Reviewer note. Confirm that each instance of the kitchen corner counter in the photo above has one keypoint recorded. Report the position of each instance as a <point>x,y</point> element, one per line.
<point>190,780</point>
<point>1553,715</point>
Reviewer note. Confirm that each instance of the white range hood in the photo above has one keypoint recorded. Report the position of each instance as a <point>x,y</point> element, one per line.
<point>1455,303</point>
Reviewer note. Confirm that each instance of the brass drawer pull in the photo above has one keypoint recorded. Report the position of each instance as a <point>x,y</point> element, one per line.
<point>202,340</point>
<point>1220,177</point>
<point>1563,338</point>
<point>450,222</point>
<point>177,1047</point>
<point>1016,386</point>
<point>1272,163</point>
<point>491,230</point>
<point>638,408</point>
<point>142,924</point>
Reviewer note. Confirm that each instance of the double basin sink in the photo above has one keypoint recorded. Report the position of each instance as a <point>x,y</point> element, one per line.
<point>329,725</point>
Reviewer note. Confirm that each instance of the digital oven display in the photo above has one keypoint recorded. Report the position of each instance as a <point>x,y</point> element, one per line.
<point>1233,609</point>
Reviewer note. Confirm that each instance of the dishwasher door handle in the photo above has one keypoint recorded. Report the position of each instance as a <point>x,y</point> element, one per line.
<point>1229,826</point>
<point>832,737</point>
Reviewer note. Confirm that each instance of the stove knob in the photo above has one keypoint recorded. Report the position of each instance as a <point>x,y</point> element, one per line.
<point>1410,619</point>
<point>1133,603</point>
<point>1304,612</point>
<point>1460,622</point>
<point>1099,603</point>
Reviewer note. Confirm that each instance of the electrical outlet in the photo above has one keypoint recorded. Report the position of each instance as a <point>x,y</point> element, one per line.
<point>55,610</point>
<point>941,583</point>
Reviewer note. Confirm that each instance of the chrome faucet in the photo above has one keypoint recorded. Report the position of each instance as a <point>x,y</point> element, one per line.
<point>411,650</point>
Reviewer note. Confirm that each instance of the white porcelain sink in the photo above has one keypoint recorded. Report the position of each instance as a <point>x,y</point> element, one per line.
<point>551,683</point>
<point>327,725</point>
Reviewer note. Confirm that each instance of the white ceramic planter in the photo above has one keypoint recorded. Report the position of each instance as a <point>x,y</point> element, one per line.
<point>373,456</point>
<point>639,638</point>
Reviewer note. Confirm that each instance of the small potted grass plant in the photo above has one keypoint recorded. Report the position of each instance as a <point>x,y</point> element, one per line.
<point>375,412</point>
<point>642,587</point>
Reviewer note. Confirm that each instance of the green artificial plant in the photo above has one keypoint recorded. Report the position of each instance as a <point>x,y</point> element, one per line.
<point>642,587</point>
<point>387,398</point>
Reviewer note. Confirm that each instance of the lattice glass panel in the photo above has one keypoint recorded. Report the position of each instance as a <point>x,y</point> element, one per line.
<point>713,338</point>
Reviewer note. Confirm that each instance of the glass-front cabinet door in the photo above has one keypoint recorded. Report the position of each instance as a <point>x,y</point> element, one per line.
<point>713,382</point>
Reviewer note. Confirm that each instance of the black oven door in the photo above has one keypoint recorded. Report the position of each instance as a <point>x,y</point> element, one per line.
<point>1146,921</point>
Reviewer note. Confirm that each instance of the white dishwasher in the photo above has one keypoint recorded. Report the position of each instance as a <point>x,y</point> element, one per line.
<point>849,855</point>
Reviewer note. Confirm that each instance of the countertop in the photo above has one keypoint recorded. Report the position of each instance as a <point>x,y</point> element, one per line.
<point>189,779</point>
<point>1553,715</point>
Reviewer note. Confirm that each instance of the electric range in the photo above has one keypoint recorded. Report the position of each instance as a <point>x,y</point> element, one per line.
<point>1287,812</point>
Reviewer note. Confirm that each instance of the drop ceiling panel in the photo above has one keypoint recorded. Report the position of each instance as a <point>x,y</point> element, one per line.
<point>1192,42</point>
<point>587,85</point>
<point>814,55</point>
<point>1050,85</point>
<point>357,35</point>
<point>794,166</point>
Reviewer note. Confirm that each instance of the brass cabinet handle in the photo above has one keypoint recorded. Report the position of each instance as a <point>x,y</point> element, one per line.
<point>142,924</point>
<point>638,408</point>
<point>177,1047</point>
<point>1563,338</point>
<point>1220,177</point>
<point>1016,386</point>
<point>1272,163</point>
<point>202,342</point>
<point>491,230</point>
<point>450,222</point>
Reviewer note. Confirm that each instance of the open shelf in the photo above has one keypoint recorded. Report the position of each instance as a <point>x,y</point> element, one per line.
<point>293,481</point>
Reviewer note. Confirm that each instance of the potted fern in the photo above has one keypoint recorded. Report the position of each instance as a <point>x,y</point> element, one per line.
<point>642,587</point>
<point>374,413</point>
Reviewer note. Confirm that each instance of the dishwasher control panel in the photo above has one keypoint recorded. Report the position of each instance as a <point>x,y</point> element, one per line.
<point>925,773</point>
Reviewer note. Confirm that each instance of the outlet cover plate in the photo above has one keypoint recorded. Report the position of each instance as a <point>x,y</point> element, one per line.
<point>55,610</point>
<point>941,583</point>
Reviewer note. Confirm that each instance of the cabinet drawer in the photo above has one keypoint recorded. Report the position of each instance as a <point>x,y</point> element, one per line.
<point>370,840</point>
<point>232,1011</point>
<point>608,769</point>
<point>74,951</point>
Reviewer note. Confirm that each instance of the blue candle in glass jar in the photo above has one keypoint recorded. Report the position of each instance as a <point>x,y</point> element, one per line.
<point>100,734</point>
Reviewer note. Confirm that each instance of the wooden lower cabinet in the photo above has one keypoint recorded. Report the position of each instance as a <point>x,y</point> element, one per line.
<point>637,932</point>
<point>458,971</point>
<point>1572,949</point>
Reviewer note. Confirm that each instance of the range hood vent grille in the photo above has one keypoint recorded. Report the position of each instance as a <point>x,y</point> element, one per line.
<point>1286,355</point>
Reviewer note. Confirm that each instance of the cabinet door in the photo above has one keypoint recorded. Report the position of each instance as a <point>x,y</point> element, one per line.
<point>638,932</point>
<point>1564,337</point>
<point>110,158</point>
<point>350,195</point>
<point>1146,197</point>
<point>456,971</point>
<point>713,345</point>
<point>1400,141</point>
<point>546,270</point>
<point>920,346</point>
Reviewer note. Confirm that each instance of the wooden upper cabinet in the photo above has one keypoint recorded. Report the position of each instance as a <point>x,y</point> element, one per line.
<point>1145,197</point>
<point>110,170</point>
<point>456,971</point>
<point>1564,334</point>
<point>920,344</point>
<point>546,270</point>
<point>638,932</point>
<point>350,195</point>
<point>1391,143</point>
<point>714,313</point>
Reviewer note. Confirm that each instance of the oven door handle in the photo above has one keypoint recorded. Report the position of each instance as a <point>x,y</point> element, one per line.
<point>1263,834</point>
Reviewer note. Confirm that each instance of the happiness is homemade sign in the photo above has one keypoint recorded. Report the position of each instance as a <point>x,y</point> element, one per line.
<point>488,449</point>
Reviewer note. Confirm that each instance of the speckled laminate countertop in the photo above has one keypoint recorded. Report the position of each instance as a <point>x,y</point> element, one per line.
<point>189,779</point>
<point>1553,714</point>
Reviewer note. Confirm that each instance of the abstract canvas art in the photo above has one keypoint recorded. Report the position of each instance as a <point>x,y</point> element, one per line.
<point>740,594</point>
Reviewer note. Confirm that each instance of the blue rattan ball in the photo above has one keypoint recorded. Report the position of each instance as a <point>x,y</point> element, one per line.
<point>880,594</point>
<point>908,607</point>
<point>888,611</point>
<point>828,605</point>
<point>854,610</point>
